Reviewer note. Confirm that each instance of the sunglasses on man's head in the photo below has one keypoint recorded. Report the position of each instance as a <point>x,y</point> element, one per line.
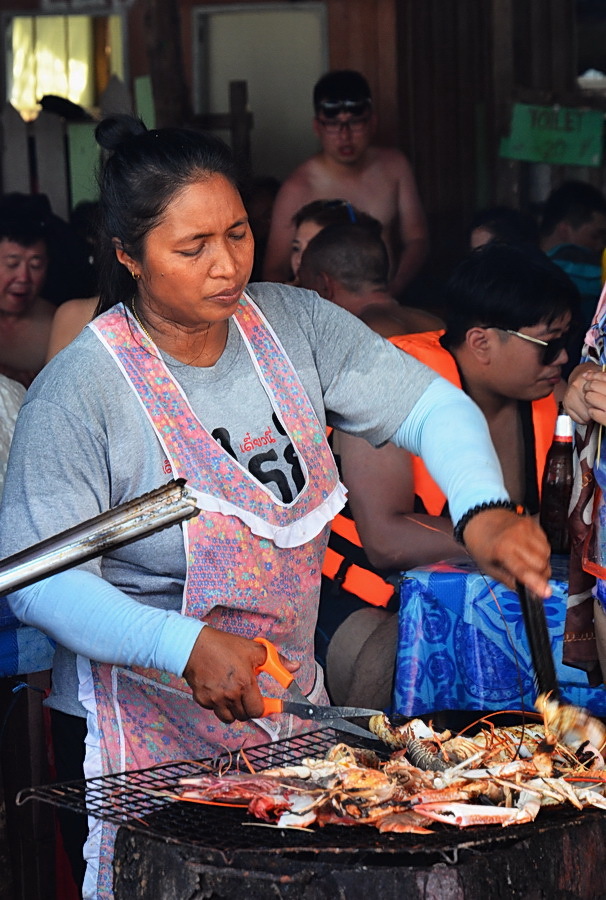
<point>330,109</point>
<point>551,349</point>
<point>337,204</point>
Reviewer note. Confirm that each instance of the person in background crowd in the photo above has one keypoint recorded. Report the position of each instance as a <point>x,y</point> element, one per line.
<point>25,316</point>
<point>378,180</point>
<point>507,315</point>
<point>348,264</point>
<point>11,398</point>
<point>504,224</point>
<point>71,273</point>
<point>69,320</point>
<point>313,217</point>
<point>573,235</point>
<point>585,402</point>
<point>231,389</point>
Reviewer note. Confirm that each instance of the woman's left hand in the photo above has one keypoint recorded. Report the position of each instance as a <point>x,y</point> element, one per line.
<point>510,548</point>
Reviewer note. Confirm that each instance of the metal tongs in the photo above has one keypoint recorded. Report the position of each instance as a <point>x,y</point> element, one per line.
<point>537,632</point>
<point>119,526</point>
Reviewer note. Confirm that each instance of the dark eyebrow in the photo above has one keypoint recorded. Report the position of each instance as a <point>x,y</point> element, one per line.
<point>207,234</point>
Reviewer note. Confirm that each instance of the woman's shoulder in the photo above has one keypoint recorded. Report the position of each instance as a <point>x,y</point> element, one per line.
<point>82,366</point>
<point>267,292</point>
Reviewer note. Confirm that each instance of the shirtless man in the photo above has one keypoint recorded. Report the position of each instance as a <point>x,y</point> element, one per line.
<point>348,264</point>
<point>377,180</point>
<point>25,317</point>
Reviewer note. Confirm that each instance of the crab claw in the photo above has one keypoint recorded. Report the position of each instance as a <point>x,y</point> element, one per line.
<point>466,815</point>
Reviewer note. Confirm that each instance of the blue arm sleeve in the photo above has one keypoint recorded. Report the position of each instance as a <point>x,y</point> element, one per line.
<point>449,432</point>
<point>90,616</point>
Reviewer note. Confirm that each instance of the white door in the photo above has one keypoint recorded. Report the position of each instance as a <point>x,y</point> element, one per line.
<point>280,50</point>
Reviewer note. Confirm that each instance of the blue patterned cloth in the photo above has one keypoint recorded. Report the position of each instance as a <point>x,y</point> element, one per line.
<point>462,645</point>
<point>23,649</point>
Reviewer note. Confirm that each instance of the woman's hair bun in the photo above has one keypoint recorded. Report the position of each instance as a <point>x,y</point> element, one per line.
<point>110,133</point>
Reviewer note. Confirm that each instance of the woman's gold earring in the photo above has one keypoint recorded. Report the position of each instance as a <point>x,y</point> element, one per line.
<point>135,275</point>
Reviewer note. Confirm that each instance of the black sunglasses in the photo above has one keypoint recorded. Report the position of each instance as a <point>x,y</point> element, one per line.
<point>330,109</point>
<point>551,349</point>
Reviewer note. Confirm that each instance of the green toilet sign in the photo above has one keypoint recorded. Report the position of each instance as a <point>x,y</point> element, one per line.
<point>555,134</point>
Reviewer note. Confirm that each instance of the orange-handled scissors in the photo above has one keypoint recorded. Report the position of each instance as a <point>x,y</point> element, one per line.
<point>300,705</point>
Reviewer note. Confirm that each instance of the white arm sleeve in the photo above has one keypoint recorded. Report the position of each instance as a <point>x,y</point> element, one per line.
<point>449,432</point>
<point>90,616</point>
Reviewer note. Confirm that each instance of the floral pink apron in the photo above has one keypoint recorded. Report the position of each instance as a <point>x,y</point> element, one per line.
<point>253,562</point>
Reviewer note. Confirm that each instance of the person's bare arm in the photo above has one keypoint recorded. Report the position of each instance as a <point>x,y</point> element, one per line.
<point>381,498</point>
<point>290,198</point>
<point>413,229</point>
<point>69,320</point>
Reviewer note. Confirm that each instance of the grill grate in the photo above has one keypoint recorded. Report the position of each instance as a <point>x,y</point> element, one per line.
<point>224,835</point>
<point>137,799</point>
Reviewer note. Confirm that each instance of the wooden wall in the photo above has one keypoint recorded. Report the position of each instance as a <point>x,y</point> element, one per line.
<point>461,64</point>
<point>442,62</point>
<point>444,75</point>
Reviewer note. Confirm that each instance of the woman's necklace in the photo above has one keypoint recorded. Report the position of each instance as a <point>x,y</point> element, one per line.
<point>139,322</point>
<point>149,337</point>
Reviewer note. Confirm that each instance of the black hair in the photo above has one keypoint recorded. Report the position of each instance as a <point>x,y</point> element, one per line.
<point>506,285</point>
<point>142,172</point>
<point>352,254</point>
<point>24,218</point>
<point>335,212</point>
<point>22,231</point>
<point>341,84</point>
<point>506,224</point>
<point>574,202</point>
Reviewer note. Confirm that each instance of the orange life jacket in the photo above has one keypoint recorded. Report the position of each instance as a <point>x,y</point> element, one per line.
<point>346,563</point>
<point>427,349</point>
<point>345,560</point>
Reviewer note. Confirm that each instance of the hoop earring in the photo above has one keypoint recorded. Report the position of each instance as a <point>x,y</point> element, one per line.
<point>135,275</point>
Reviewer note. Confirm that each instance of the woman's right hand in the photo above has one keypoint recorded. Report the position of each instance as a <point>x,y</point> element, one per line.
<point>221,673</point>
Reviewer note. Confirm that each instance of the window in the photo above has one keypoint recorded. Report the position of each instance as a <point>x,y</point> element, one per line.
<point>69,56</point>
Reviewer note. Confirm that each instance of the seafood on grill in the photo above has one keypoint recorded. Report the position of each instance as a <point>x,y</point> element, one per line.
<point>499,776</point>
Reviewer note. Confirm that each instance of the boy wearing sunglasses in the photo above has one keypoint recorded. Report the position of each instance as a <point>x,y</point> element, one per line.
<point>508,310</point>
<point>376,180</point>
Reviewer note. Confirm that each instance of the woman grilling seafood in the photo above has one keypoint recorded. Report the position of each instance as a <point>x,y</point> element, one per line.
<point>181,364</point>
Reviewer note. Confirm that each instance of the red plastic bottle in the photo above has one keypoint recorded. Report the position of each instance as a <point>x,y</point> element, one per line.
<point>557,486</point>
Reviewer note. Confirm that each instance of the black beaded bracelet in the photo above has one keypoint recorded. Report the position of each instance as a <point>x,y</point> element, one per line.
<point>492,504</point>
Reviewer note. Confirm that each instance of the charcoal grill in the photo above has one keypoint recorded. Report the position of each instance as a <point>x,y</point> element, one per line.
<point>170,849</point>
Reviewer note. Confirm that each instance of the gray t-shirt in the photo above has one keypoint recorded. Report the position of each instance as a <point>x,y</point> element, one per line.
<point>83,444</point>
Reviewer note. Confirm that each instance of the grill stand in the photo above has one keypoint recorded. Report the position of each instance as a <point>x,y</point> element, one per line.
<point>556,860</point>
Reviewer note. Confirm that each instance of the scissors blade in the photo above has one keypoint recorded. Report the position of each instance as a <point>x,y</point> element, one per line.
<point>344,725</point>
<point>328,716</point>
<point>321,713</point>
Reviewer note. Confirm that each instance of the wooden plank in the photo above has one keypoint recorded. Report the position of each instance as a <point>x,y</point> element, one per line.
<point>15,155</point>
<point>563,55</point>
<point>83,155</point>
<point>361,36</point>
<point>241,121</point>
<point>144,100</point>
<point>51,168</point>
